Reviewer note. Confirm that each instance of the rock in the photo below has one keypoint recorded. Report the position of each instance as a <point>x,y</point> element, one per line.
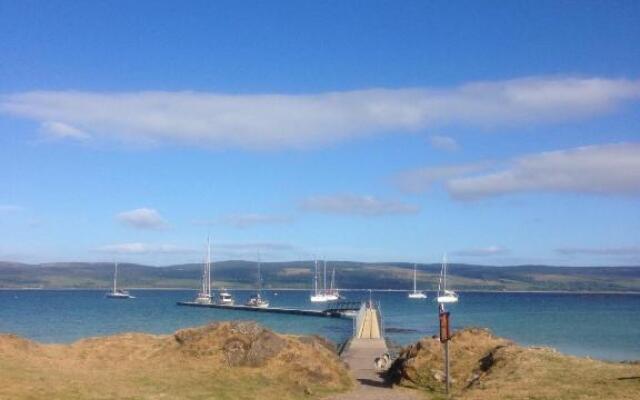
<point>318,341</point>
<point>264,347</point>
<point>439,376</point>
<point>235,351</point>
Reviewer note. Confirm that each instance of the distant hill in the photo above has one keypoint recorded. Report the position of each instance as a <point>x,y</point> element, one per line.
<point>298,274</point>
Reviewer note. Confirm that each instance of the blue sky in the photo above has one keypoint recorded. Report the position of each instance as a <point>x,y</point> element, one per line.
<point>500,132</point>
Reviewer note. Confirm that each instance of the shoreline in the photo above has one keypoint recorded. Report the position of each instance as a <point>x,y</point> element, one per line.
<point>342,290</point>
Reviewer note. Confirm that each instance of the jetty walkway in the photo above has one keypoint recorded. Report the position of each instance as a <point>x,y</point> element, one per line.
<point>365,353</point>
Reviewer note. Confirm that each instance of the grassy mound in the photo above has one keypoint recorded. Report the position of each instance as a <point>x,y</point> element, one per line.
<point>229,360</point>
<point>484,366</point>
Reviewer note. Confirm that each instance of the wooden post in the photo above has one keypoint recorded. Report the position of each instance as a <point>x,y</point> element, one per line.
<point>445,335</point>
<point>446,367</point>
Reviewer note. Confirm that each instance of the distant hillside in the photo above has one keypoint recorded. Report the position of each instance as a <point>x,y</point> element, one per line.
<point>298,274</point>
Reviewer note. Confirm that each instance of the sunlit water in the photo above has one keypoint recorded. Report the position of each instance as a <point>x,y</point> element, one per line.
<point>596,325</point>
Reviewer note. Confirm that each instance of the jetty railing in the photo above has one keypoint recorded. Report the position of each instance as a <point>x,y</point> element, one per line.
<point>381,319</point>
<point>359,319</point>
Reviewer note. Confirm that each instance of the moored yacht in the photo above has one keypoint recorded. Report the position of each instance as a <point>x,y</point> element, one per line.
<point>257,300</point>
<point>204,295</point>
<point>225,298</point>
<point>416,294</point>
<point>445,295</point>
<point>116,293</point>
<point>323,295</point>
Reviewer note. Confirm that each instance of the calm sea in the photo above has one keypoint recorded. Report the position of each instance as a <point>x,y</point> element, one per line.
<point>597,325</point>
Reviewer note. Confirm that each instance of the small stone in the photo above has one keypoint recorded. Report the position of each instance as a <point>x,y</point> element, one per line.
<point>439,376</point>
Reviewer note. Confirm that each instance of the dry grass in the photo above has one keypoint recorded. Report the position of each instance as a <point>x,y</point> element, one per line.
<point>219,361</point>
<point>487,367</point>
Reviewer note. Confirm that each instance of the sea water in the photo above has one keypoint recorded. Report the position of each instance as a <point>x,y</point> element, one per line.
<point>605,326</point>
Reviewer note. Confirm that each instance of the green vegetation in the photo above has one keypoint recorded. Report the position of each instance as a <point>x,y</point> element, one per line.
<point>298,274</point>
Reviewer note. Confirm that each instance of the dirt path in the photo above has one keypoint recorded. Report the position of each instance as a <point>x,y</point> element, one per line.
<point>360,355</point>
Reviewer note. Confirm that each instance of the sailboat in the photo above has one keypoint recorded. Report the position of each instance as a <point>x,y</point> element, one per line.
<point>116,293</point>
<point>323,295</point>
<point>416,294</point>
<point>257,300</point>
<point>445,295</point>
<point>204,296</point>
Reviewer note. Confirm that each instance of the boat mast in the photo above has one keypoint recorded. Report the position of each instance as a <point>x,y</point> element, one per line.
<point>333,278</point>
<point>115,277</point>
<point>414,278</point>
<point>440,280</point>
<point>444,268</point>
<point>315,278</point>
<point>208,266</point>
<point>324,279</point>
<point>259,283</point>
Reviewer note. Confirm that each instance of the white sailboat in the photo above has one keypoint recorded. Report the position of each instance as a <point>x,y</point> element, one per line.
<point>204,296</point>
<point>257,300</point>
<point>116,293</point>
<point>445,295</point>
<point>416,294</point>
<point>316,296</point>
<point>323,295</point>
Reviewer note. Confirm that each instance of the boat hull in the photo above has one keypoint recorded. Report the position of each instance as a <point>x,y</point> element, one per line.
<point>119,296</point>
<point>447,299</point>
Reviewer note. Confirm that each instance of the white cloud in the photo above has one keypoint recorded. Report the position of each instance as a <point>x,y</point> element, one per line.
<point>421,179</point>
<point>62,130</point>
<point>297,121</point>
<point>249,250</point>
<point>9,208</point>
<point>356,205</point>
<point>482,251</point>
<point>220,251</point>
<point>247,220</point>
<point>443,143</point>
<point>600,251</point>
<point>611,169</point>
<point>142,218</point>
<point>144,249</point>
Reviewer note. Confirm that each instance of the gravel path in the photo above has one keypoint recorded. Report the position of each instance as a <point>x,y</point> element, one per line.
<point>360,355</point>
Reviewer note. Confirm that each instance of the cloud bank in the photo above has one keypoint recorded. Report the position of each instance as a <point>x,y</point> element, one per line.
<point>612,169</point>
<point>600,251</point>
<point>443,143</point>
<point>249,220</point>
<point>137,248</point>
<point>275,121</point>
<point>421,179</point>
<point>10,208</point>
<point>351,204</point>
<point>482,251</point>
<point>607,169</point>
<point>142,218</point>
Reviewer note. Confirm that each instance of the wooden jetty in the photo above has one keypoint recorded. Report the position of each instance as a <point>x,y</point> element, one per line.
<point>365,353</point>
<point>337,310</point>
